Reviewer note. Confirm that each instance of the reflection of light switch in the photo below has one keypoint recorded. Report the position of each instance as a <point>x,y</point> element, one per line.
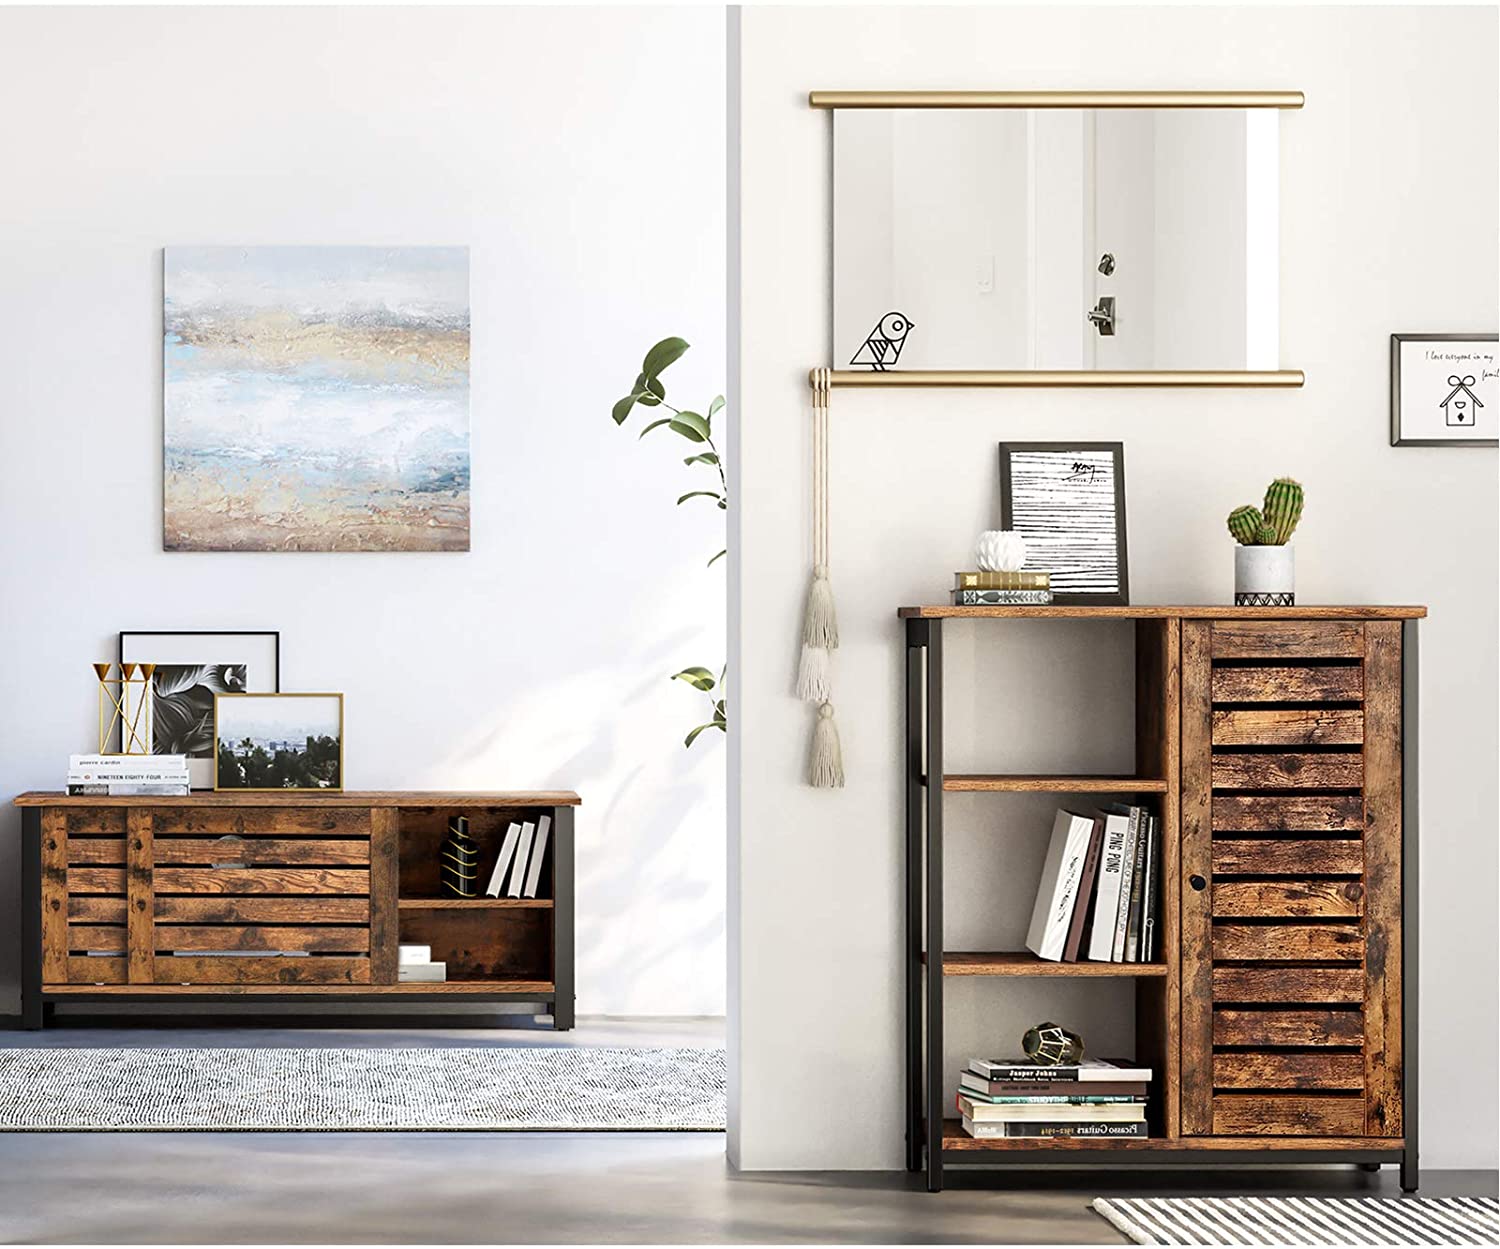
<point>986,274</point>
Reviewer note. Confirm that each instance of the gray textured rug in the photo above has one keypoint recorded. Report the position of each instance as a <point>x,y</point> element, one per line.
<point>1304,1220</point>
<point>362,1090</point>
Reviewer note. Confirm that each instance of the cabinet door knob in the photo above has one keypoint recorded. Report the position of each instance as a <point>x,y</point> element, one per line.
<point>1198,883</point>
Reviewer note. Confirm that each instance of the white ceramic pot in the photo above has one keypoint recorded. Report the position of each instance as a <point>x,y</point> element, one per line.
<point>1265,576</point>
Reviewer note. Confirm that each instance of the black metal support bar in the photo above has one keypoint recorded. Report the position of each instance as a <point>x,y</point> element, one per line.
<point>1410,863</point>
<point>32,1008</point>
<point>1198,1159</point>
<point>916,642</point>
<point>562,918</point>
<point>934,881</point>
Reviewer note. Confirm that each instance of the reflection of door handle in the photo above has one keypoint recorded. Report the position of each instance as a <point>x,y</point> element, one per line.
<point>1103,315</point>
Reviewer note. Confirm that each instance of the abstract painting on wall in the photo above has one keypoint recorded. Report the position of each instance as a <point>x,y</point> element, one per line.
<point>316,399</point>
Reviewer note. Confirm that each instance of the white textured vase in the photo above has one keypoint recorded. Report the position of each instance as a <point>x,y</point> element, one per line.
<point>1265,576</point>
<point>1000,550</point>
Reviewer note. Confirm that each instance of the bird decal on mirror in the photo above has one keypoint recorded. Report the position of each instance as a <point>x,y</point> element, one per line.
<point>882,348</point>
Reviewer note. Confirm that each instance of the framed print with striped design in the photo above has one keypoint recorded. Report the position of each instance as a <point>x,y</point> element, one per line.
<point>1067,499</point>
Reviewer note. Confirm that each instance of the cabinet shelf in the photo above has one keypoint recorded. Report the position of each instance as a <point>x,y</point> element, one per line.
<point>466,904</point>
<point>1018,783</point>
<point>1025,963</point>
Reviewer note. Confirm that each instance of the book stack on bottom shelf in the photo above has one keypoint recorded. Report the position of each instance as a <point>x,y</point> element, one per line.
<point>414,965</point>
<point>1014,1098</point>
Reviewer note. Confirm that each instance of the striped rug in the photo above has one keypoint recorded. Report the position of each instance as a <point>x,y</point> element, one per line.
<point>1305,1220</point>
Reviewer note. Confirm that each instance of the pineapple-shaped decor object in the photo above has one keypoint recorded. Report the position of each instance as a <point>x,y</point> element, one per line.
<point>1000,550</point>
<point>1052,1045</point>
<point>460,860</point>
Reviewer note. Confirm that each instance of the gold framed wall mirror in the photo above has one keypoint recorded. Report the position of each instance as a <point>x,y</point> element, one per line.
<point>1056,238</point>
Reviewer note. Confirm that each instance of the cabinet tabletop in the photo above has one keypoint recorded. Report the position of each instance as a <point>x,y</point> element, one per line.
<point>308,798</point>
<point>1154,611</point>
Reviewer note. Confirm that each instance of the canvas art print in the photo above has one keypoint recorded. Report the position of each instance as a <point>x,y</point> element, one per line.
<point>316,399</point>
<point>279,741</point>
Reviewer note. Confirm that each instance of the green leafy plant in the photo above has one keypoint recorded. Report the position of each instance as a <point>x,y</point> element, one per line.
<point>648,391</point>
<point>1274,522</point>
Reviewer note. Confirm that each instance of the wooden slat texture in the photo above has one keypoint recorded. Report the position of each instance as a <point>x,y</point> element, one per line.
<point>1288,770</point>
<point>307,821</point>
<point>1310,683</point>
<point>1290,1114</point>
<point>96,880</point>
<point>96,910</point>
<point>140,910</point>
<point>1288,899</point>
<point>315,969</point>
<point>1287,1027</point>
<point>1332,943</point>
<point>1288,639</point>
<point>524,990</point>
<point>1344,986</point>
<point>1162,611</point>
<point>1304,813</point>
<point>261,880</point>
<point>1025,963</point>
<point>1268,857</point>
<point>308,909</point>
<point>1249,1070</point>
<point>94,819</point>
<point>106,937</point>
<point>261,850</point>
<point>1384,1072</point>
<point>55,894</point>
<point>88,851</point>
<point>83,970</point>
<point>217,937</point>
<point>1197,946</point>
<point>384,932</point>
<point>1296,727</point>
<point>1054,784</point>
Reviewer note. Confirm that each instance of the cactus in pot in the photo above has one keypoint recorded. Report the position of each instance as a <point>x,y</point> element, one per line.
<point>1264,572</point>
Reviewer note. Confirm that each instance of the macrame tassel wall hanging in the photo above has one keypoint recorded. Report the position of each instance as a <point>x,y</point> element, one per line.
<point>820,626</point>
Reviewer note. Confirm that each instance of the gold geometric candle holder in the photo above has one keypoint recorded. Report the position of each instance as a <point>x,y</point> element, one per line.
<point>123,701</point>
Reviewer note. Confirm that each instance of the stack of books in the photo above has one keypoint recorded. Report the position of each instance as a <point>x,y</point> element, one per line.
<point>1013,1097</point>
<point>1002,589</point>
<point>521,854</point>
<point>121,776</point>
<point>414,965</point>
<point>1099,896</point>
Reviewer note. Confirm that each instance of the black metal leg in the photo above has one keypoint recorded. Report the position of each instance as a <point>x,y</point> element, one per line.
<point>1410,863</point>
<point>31,919</point>
<point>916,640</point>
<point>562,918</point>
<point>936,1097</point>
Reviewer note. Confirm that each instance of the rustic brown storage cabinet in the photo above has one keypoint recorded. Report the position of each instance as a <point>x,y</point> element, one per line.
<point>162,898</point>
<point>1278,747</point>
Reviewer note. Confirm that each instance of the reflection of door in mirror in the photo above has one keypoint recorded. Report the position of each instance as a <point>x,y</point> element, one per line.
<point>985,228</point>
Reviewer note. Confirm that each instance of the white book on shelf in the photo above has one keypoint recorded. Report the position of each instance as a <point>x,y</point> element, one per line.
<point>523,851</point>
<point>502,861</point>
<point>1127,878</point>
<point>428,973</point>
<point>125,763</point>
<point>538,853</point>
<point>1058,890</point>
<point>413,954</point>
<point>1107,888</point>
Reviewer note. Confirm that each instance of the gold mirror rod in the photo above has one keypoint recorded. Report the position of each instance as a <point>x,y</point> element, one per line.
<point>964,378</point>
<point>1055,99</point>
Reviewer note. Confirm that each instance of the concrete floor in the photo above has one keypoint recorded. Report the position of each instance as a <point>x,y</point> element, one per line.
<point>456,1188</point>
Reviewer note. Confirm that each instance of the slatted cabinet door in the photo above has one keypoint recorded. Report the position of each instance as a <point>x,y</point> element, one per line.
<point>259,896</point>
<point>1291,864</point>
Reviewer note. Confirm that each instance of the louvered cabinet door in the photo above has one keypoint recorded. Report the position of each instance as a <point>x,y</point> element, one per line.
<point>84,902</point>
<point>1291,878</point>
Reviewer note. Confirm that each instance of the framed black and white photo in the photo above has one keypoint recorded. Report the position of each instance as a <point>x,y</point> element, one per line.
<point>1445,390</point>
<point>192,667</point>
<point>1067,499</point>
<point>279,741</point>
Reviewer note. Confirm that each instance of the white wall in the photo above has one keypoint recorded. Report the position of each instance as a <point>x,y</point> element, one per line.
<point>1366,249</point>
<point>556,145</point>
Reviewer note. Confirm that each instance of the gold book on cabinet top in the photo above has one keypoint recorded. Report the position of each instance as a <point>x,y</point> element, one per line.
<point>1019,580</point>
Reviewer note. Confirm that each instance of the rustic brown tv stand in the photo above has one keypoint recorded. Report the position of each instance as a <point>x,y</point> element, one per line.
<point>154,899</point>
<point>1278,748</point>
